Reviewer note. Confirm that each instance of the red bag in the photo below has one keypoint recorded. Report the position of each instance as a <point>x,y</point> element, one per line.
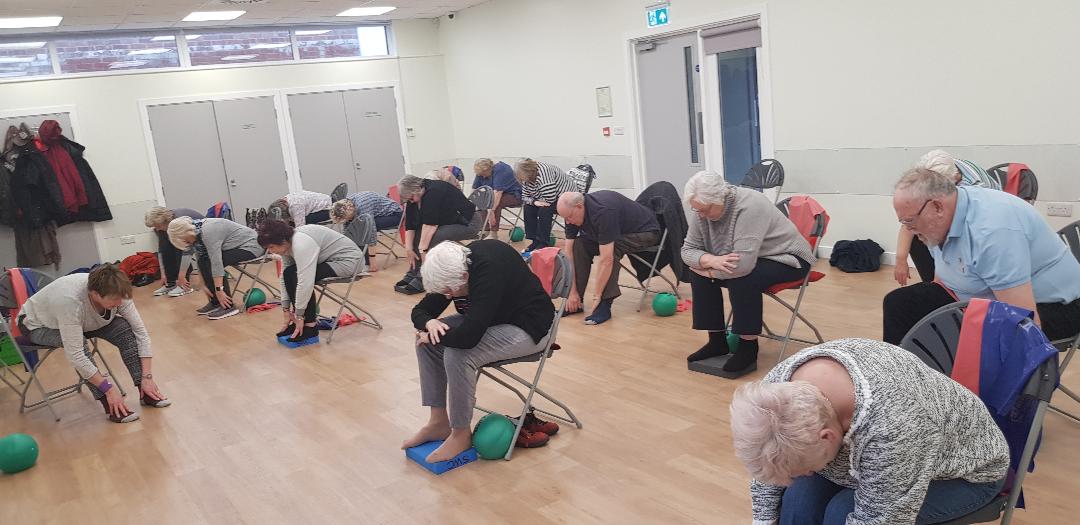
<point>142,263</point>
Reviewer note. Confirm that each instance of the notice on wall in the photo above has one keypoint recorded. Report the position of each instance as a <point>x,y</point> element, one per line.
<point>603,101</point>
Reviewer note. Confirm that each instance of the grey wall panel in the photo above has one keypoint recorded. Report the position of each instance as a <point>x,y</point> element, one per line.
<point>188,155</point>
<point>375,138</point>
<point>321,135</point>
<point>251,147</point>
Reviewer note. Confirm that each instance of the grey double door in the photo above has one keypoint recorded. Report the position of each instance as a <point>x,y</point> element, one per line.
<point>221,150</point>
<point>349,136</point>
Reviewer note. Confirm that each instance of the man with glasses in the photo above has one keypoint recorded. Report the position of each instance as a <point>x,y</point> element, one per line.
<point>986,244</point>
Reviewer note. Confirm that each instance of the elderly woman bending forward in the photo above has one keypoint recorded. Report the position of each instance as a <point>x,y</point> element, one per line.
<point>923,450</point>
<point>742,242</point>
<point>502,313</point>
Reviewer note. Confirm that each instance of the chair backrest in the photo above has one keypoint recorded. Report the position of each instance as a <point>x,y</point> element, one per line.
<point>1071,236</point>
<point>361,230</point>
<point>7,291</point>
<point>935,338</point>
<point>563,277</point>
<point>340,192</point>
<point>809,217</point>
<point>766,174</point>
<point>583,176</point>
<point>483,197</point>
<point>1026,186</point>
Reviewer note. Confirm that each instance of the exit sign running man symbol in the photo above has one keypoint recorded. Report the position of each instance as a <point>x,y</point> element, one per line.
<point>658,16</point>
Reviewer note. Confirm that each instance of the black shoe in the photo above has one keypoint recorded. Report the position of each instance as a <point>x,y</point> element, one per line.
<point>408,289</point>
<point>307,333</point>
<point>287,331</point>
<point>745,359</point>
<point>709,350</point>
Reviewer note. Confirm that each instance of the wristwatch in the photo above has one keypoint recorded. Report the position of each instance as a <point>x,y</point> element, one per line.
<point>148,376</point>
<point>219,288</point>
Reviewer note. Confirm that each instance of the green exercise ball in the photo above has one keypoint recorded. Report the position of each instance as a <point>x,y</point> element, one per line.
<point>664,304</point>
<point>18,452</point>
<point>551,240</point>
<point>494,435</point>
<point>517,234</point>
<point>254,297</point>
<point>732,342</point>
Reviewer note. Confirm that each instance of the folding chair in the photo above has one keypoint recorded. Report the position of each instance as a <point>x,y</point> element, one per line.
<point>650,257</point>
<point>340,192</point>
<point>562,277</point>
<point>766,174</point>
<point>935,340</point>
<point>484,200</point>
<point>813,232</point>
<point>243,268</point>
<point>1070,235</point>
<point>34,356</point>
<point>390,239</point>
<point>1017,179</point>
<point>362,232</point>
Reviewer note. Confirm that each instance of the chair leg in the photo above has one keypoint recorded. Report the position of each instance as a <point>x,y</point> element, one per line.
<point>791,323</point>
<point>97,352</point>
<point>1025,460</point>
<point>45,396</point>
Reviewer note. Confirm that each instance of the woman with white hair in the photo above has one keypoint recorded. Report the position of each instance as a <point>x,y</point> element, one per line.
<point>742,242</point>
<point>961,172</point>
<point>860,432</point>
<point>435,212</point>
<point>502,312</point>
<point>217,243</point>
<point>175,263</point>
<point>302,207</point>
<point>541,186</point>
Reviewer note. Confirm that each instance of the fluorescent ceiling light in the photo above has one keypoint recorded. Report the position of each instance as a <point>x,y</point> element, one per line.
<point>212,16</point>
<point>163,39</point>
<point>153,51</point>
<point>37,21</point>
<point>16,60</point>
<point>309,32</point>
<point>270,46</point>
<point>366,11</point>
<point>23,45</point>
<point>239,57</point>
<point>128,63</point>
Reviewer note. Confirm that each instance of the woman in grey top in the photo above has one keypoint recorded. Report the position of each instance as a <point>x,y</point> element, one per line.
<point>218,243</point>
<point>860,432</point>
<point>309,253</point>
<point>742,242</point>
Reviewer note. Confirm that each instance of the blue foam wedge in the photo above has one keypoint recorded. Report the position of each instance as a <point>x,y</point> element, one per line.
<point>419,452</point>
<point>284,340</point>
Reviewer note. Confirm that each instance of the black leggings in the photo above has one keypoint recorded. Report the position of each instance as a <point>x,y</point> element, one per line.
<point>228,258</point>
<point>322,271</point>
<point>745,293</point>
<point>904,307</point>
<point>924,262</point>
<point>538,221</point>
<point>170,259</point>
<point>317,217</point>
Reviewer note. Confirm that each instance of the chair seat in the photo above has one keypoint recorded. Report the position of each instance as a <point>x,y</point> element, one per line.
<point>531,358</point>
<point>794,285</point>
<point>988,513</point>
<point>340,280</point>
<point>27,346</point>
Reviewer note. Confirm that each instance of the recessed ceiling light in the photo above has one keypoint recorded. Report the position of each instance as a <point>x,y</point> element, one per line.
<point>36,21</point>
<point>270,46</point>
<point>154,51</point>
<point>22,45</point>
<point>212,16</point>
<point>312,32</point>
<point>366,11</point>
<point>163,39</point>
<point>239,57</point>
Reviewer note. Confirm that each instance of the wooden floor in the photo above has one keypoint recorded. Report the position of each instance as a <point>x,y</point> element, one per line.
<point>260,434</point>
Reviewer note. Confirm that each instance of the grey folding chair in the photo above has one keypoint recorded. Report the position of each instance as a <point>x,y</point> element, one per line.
<point>484,200</point>
<point>651,258</point>
<point>362,232</point>
<point>765,175</point>
<point>245,269</point>
<point>934,340</point>
<point>34,356</point>
<point>340,192</point>
<point>1070,235</point>
<point>391,239</point>
<point>561,280</point>
<point>1029,185</point>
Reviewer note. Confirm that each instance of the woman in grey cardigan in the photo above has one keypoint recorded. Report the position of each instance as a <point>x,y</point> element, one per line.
<point>742,242</point>
<point>860,432</point>
<point>308,253</point>
<point>218,243</point>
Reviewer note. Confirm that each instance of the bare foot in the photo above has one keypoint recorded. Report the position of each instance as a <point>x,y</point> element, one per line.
<point>430,432</point>
<point>459,441</point>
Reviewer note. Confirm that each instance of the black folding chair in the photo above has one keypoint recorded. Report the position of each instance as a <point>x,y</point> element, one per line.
<point>1029,184</point>
<point>484,200</point>
<point>935,340</point>
<point>1070,235</point>
<point>764,175</point>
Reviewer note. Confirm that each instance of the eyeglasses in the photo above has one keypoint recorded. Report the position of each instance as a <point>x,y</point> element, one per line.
<point>908,221</point>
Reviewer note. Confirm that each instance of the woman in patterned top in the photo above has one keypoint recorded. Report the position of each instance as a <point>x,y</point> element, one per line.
<point>541,185</point>
<point>303,207</point>
<point>860,432</point>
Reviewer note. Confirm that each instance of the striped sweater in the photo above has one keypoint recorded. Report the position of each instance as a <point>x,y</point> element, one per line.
<point>551,182</point>
<point>912,425</point>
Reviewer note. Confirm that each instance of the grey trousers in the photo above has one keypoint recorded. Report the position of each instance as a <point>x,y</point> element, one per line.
<point>118,333</point>
<point>586,249</point>
<point>456,368</point>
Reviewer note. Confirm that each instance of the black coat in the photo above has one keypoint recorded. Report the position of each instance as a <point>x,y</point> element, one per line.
<point>34,190</point>
<point>97,208</point>
<point>663,198</point>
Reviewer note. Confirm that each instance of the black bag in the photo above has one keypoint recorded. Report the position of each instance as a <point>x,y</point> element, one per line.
<point>857,256</point>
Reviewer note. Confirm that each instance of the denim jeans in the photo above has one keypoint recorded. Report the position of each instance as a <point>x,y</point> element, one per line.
<point>814,500</point>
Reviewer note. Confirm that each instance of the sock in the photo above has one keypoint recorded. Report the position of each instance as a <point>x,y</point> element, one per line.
<point>601,314</point>
<point>745,356</point>
<point>717,346</point>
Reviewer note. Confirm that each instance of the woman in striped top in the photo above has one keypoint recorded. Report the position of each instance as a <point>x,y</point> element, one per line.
<point>541,185</point>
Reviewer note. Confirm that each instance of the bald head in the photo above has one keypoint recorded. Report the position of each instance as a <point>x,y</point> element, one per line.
<point>571,207</point>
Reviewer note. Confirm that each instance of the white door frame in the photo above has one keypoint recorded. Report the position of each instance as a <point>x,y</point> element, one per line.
<point>713,158</point>
<point>398,105</point>
<point>74,118</point>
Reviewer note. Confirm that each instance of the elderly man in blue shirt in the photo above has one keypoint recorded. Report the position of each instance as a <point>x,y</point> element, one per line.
<point>500,177</point>
<point>986,244</point>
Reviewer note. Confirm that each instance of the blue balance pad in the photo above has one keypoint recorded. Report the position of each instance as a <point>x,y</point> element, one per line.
<point>419,452</point>
<point>284,340</point>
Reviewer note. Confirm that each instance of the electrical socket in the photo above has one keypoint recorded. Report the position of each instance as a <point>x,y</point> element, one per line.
<point>1059,210</point>
<point>127,239</point>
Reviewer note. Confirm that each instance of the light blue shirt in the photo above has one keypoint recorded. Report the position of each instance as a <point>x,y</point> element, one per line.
<point>996,242</point>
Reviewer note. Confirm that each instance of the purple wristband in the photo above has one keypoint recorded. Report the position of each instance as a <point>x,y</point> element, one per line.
<point>105,386</point>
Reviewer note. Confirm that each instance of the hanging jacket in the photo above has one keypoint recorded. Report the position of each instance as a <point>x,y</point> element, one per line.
<point>37,246</point>
<point>35,192</point>
<point>664,200</point>
<point>97,207</point>
<point>67,175</point>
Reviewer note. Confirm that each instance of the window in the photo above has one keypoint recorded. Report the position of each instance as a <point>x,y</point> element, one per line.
<point>22,59</point>
<point>238,47</point>
<point>116,53</point>
<point>342,42</point>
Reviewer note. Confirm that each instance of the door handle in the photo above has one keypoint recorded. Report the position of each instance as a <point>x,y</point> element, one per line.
<point>232,183</point>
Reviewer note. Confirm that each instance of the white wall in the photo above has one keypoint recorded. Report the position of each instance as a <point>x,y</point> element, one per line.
<point>110,126</point>
<point>859,89</point>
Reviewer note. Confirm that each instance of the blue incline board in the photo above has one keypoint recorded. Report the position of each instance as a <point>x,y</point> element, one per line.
<point>419,452</point>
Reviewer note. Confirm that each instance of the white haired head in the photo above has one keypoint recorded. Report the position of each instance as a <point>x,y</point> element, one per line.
<point>777,429</point>
<point>707,187</point>
<point>446,269</point>
<point>181,232</point>
<point>940,161</point>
